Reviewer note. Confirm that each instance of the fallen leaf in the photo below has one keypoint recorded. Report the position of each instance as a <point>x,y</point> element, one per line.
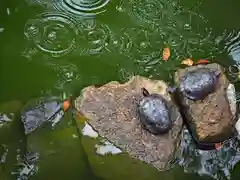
<point>166,54</point>
<point>188,62</point>
<point>203,61</point>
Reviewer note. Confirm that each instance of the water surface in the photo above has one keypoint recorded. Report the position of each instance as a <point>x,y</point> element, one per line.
<point>48,47</point>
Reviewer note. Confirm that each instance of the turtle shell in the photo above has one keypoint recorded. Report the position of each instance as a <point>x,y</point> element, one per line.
<point>154,114</point>
<point>199,83</point>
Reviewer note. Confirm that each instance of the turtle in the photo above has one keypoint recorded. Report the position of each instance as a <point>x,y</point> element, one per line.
<point>199,83</point>
<point>154,113</point>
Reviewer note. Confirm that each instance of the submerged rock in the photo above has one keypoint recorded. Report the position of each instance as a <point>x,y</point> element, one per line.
<point>11,138</point>
<point>40,111</point>
<point>217,164</point>
<point>60,154</point>
<point>112,110</point>
<point>211,119</point>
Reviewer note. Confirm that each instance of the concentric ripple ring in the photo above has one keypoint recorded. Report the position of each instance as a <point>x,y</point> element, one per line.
<point>52,33</point>
<point>81,7</point>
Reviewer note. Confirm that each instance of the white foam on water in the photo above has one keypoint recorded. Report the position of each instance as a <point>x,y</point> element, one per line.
<point>5,118</point>
<point>107,148</point>
<point>26,170</point>
<point>57,118</point>
<point>231,95</point>
<point>88,131</point>
<point>237,126</point>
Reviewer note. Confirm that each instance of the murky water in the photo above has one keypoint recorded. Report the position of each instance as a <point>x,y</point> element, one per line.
<point>50,47</point>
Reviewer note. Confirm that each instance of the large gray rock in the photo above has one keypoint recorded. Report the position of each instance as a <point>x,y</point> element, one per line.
<point>112,110</point>
<point>211,119</point>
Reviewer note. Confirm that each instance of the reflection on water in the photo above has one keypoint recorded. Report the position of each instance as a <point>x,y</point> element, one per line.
<point>216,163</point>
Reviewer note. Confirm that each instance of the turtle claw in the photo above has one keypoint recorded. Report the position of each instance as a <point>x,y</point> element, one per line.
<point>171,90</point>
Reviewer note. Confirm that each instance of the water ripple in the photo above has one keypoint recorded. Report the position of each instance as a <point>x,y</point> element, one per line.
<point>125,74</point>
<point>152,11</point>
<point>120,42</point>
<point>52,33</point>
<point>81,7</point>
<point>231,43</point>
<point>96,37</point>
<point>67,73</point>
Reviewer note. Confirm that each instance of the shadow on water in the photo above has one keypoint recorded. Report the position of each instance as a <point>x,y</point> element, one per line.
<point>50,47</point>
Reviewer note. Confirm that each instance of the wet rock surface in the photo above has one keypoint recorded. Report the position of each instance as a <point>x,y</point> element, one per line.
<point>216,164</point>
<point>213,118</point>
<point>38,112</point>
<point>112,110</point>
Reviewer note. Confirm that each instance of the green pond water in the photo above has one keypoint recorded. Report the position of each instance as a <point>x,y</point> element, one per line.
<point>51,47</point>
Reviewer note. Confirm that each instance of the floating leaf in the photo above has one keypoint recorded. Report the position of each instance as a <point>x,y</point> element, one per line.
<point>203,61</point>
<point>66,105</point>
<point>188,62</point>
<point>166,54</point>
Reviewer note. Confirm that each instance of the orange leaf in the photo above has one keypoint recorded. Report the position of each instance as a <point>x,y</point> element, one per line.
<point>166,54</point>
<point>203,61</point>
<point>188,62</point>
<point>66,105</point>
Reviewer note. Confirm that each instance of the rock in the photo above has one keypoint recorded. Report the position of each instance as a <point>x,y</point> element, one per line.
<point>213,118</point>
<point>112,110</point>
<point>37,112</point>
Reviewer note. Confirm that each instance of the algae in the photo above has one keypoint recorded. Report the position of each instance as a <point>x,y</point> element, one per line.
<point>11,139</point>
<point>61,156</point>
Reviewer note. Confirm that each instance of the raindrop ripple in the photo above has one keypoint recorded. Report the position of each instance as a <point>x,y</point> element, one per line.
<point>52,33</point>
<point>81,7</point>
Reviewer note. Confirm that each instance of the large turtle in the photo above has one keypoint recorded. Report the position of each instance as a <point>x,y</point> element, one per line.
<point>154,113</point>
<point>199,83</point>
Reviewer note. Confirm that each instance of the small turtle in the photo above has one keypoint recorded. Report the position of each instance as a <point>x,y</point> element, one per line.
<point>154,113</point>
<point>198,84</point>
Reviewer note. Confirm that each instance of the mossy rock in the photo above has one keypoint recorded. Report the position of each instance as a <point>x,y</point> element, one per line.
<point>61,155</point>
